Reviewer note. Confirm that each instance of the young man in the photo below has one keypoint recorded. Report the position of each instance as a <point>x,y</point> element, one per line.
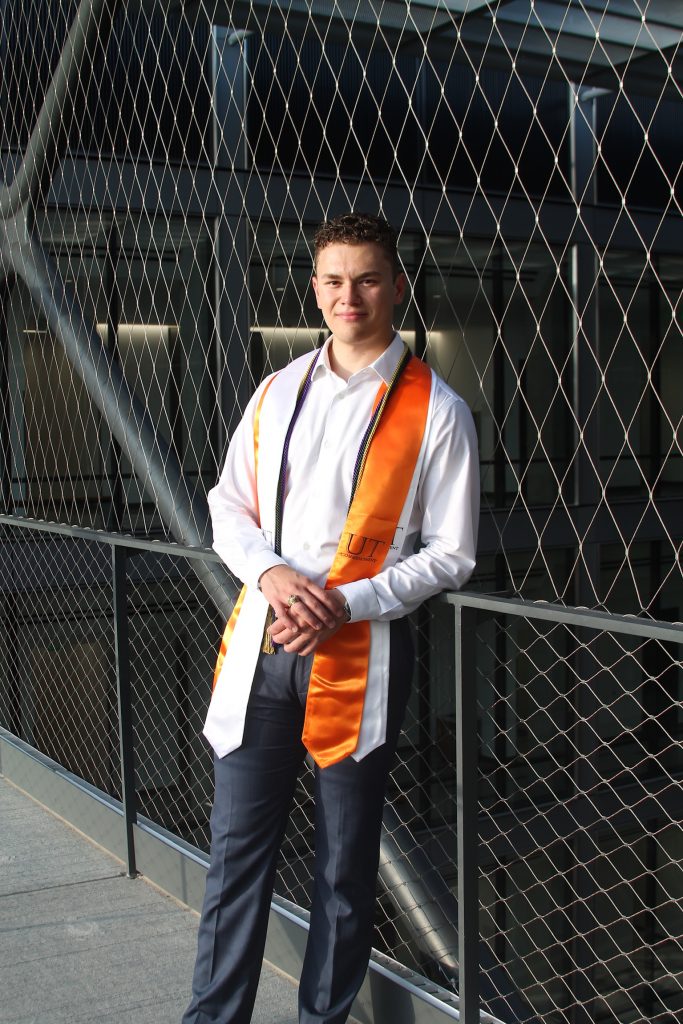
<point>348,497</point>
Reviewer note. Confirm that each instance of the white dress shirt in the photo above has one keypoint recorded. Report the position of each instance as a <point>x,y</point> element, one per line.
<point>435,543</point>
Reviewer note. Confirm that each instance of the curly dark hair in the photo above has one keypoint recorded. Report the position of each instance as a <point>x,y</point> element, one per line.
<point>356,229</point>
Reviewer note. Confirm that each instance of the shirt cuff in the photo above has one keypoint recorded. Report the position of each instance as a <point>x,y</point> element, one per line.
<point>362,600</point>
<point>257,564</point>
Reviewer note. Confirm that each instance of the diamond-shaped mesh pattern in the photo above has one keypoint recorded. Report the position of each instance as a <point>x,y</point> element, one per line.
<point>58,683</point>
<point>581,875</point>
<point>165,165</point>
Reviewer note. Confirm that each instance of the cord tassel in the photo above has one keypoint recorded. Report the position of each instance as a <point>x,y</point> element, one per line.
<point>268,647</point>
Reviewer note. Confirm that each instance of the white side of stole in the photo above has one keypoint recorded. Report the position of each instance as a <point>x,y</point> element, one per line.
<point>224,725</point>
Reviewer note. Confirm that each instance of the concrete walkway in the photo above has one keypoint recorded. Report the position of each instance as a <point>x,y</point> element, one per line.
<point>80,943</point>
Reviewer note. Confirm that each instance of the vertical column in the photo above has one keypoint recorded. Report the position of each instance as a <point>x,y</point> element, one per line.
<point>229,70</point>
<point>584,276</point>
<point>6,409</point>
<point>499,454</point>
<point>11,678</point>
<point>420,296</point>
<point>16,325</point>
<point>231,241</point>
<point>424,614</point>
<point>655,367</point>
<point>123,689</point>
<point>655,427</point>
<point>176,372</point>
<point>113,467</point>
<point>235,384</point>
<point>467,748</point>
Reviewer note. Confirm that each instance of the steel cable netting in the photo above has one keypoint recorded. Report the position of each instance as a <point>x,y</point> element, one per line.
<point>165,166</point>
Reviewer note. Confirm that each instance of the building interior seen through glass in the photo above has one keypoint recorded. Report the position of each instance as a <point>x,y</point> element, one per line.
<point>494,320</point>
<point>496,324</point>
<point>641,357</point>
<point>144,286</point>
<point>493,323</point>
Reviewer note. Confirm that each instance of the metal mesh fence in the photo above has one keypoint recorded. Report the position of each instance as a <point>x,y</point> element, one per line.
<point>581,877</point>
<point>58,686</point>
<point>165,165</point>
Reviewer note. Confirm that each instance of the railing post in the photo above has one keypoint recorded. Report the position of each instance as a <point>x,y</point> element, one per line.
<point>467,749</point>
<point>126,739</point>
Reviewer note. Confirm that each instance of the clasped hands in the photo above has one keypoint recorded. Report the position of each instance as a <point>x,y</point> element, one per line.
<point>300,626</point>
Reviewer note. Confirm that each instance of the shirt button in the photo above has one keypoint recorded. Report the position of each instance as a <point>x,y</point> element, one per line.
<point>307,546</point>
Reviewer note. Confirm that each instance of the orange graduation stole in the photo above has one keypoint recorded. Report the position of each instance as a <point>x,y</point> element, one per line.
<point>384,472</point>
<point>336,692</point>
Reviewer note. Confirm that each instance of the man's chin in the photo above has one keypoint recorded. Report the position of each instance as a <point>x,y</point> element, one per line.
<point>353,333</point>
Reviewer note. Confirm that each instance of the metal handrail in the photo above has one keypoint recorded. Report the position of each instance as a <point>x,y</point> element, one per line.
<point>570,616</point>
<point>445,928</point>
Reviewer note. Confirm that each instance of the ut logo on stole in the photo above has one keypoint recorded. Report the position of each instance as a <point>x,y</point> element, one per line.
<point>362,549</point>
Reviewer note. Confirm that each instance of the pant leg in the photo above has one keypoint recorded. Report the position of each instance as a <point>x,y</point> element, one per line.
<point>254,791</point>
<point>349,799</point>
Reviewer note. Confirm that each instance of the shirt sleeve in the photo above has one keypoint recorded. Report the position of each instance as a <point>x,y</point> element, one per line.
<point>448,502</point>
<point>233,503</point>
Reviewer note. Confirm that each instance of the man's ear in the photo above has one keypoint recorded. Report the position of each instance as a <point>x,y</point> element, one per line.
<point>314,282</point>
<point>400,285</point>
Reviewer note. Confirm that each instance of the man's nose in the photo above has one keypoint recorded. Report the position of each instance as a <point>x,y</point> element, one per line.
<point>350,293</point>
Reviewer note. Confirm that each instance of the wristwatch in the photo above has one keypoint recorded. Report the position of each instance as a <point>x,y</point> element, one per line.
<point>347,610</point>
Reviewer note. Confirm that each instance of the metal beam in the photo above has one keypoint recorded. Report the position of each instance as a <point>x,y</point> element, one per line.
<point>91,25</point>
<point>153,461</point>
<point>210,192</point>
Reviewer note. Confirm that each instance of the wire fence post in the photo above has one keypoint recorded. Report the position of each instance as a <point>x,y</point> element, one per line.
<point>467,814</point>
<point>126,738</point>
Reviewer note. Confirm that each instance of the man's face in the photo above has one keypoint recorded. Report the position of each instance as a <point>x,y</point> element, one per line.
<point>356,290</point>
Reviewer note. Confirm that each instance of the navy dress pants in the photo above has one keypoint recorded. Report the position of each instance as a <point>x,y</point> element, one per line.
<point>254,791</point>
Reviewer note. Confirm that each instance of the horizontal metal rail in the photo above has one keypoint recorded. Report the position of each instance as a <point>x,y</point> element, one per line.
<point>121,540</point>
<point>584,617</point>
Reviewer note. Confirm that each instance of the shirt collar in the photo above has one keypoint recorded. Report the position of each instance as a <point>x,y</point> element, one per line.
<point>384,366</point>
